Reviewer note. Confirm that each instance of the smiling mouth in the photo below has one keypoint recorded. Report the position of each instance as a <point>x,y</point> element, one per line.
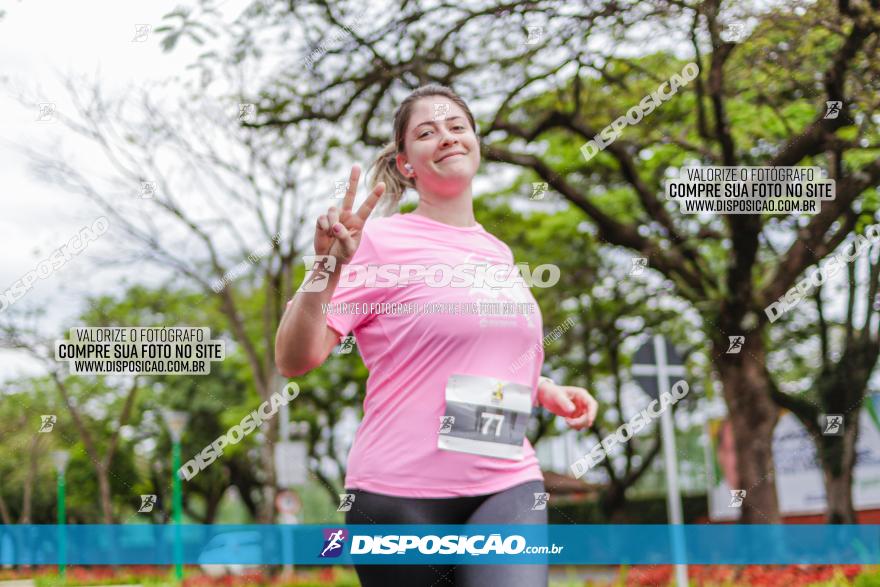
<point>448,156</point>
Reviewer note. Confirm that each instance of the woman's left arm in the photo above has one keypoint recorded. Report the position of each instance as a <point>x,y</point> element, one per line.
<point>574,403</point>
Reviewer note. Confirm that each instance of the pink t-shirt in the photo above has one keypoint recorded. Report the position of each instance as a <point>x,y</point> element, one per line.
<point>410,357</point>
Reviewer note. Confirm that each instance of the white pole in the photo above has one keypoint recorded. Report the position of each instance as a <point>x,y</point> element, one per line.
<point>283,436</point>
<point>287,541</point>
<point>673,494</point>
<point>284,415</point>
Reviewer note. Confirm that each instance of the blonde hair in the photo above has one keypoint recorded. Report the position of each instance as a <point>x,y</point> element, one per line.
<point>384,167</point>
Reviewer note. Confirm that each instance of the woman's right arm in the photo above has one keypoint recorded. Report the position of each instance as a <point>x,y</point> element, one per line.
<point>304,340</point>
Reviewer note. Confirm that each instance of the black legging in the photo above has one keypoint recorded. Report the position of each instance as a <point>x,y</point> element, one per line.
<point>511,506</point>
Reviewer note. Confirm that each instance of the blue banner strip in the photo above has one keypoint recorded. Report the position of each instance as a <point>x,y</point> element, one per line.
<point>441,544</point>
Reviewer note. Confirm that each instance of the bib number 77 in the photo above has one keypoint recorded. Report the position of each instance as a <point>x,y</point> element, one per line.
<point>488,420</point>
<point>485,416</point>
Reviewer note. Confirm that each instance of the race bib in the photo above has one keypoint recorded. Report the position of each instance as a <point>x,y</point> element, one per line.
<point>485,416</point>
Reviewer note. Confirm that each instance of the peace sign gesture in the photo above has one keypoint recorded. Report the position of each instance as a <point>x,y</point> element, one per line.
<point>338,232</point>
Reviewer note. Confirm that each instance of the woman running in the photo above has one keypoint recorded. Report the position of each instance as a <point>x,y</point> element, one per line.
<point>450,389</point>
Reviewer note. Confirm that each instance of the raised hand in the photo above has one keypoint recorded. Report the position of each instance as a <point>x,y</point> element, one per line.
<point>338,232</point>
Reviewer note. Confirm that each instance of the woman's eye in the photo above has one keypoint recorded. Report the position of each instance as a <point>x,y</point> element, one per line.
<point>424,133</point>
<point>458,126</point>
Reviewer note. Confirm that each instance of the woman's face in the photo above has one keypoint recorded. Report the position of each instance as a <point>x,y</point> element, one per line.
<point>441,147</point>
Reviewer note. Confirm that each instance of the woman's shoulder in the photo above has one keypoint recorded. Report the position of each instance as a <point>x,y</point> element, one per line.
<point>498,243</point>
<point>379,227</point>
<point>390,227</point>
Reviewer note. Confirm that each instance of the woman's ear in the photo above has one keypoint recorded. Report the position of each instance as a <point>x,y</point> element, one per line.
<point>404,168</point>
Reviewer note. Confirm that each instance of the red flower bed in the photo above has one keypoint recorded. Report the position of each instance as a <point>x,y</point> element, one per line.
<point>757,575</point>
<point>77,575</point>
<point>225,580</point>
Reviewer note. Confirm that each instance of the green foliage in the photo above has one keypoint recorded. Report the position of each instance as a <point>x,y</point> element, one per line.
<point>646,510</point>
<point>868,579</point>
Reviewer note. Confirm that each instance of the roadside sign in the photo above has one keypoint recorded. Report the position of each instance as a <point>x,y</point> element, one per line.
<point>288,502</point>
<point>291,463</point>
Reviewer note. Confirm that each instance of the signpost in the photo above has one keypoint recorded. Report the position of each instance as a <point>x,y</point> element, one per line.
<point>655,362</point>
<point>291,463</point>
<point>288,504</point>
<point>61,458</point>
<point>176,421</point>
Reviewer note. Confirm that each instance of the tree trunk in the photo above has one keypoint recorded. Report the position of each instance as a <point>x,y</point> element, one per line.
<point>838,456</point>
<point>753,416</point>
<point>104,490</point>
<point>212,508</point>
<point>4,513</point>
<point>27,496</point>
<point>267,507</point>
<point>613,503</point>
<point>267,450</point>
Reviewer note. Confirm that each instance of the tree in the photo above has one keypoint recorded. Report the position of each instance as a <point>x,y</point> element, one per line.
<point>835,370</point>
<point>75,392</point>
<point>25,496</point>
<point>242,224</point>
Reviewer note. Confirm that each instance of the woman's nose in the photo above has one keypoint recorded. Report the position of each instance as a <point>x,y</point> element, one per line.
<point>447,138</point>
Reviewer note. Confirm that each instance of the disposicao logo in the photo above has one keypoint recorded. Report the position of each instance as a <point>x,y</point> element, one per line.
<point>333,542</point>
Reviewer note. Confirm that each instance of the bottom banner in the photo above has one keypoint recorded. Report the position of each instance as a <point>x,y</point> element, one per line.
<point>440,544</point>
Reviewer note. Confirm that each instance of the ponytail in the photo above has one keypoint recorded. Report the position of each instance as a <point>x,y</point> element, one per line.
<point>385,169</point>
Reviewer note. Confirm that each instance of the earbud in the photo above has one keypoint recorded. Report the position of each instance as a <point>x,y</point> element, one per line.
<point>408,167</point>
